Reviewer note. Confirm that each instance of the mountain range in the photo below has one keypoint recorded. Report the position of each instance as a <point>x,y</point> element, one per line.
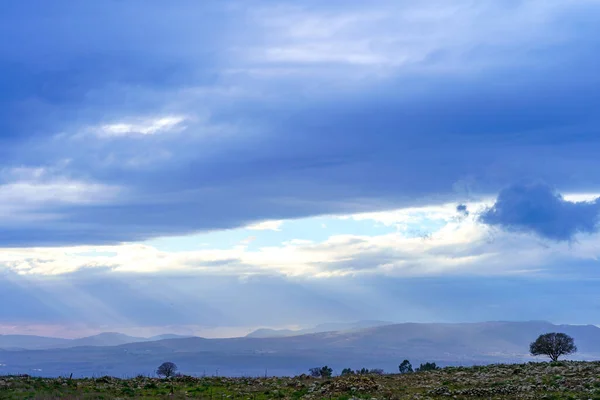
<point>328,327</point>
<point>373,347</point>
<point>32,342</point>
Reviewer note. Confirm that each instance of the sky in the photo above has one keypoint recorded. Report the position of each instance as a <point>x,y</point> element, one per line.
<point>214,167</point>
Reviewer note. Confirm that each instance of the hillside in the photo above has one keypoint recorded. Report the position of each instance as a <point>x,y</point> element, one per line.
<point>32,342</point>
<point>329,327</point>
<point>562,380</point>
<point>378,347</point>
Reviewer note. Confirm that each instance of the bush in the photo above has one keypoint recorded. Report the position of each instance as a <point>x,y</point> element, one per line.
<point>367,371</point>
<point>428,367</point>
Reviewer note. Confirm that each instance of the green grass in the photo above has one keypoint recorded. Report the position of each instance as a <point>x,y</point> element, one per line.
<point>564,380</point>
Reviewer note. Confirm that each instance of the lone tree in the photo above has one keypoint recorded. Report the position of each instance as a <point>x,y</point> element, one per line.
<point>405,367</point>
<point>553,345</point>
<point>166,369</point>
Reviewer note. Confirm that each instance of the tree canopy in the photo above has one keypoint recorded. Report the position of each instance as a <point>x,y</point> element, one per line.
<point>428,366</point>
<point>553,345</point>
<point>405,367</point>
<point>323,372</point>
<point>166,369</point>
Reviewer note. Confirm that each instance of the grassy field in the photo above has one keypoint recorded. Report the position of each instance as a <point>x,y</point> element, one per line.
<point>562,380</point>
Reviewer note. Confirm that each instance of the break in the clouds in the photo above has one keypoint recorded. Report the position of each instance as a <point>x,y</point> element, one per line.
<point>421,264</point>
<point>335,149</point>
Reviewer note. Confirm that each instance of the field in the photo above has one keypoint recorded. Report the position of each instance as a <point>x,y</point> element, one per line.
<point>562,380</point>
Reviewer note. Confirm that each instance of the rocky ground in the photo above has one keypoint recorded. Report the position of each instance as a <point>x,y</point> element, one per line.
<point>562,380</point>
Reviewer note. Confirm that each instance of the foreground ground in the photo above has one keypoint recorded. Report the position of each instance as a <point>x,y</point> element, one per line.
<point>563,380</point>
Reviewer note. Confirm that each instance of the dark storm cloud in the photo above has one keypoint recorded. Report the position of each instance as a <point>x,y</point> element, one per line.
<point>538,208</point>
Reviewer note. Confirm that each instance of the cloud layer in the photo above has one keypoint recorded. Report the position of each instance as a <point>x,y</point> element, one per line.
<point>433,261</point>
<point>315,160</point>
<point>267,112</point>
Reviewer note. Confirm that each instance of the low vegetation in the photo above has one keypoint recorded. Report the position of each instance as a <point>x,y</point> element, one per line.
<point>557,380</point>
<point>362,371</point>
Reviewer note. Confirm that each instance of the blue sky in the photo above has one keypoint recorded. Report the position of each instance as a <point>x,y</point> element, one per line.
<point>289,163</point>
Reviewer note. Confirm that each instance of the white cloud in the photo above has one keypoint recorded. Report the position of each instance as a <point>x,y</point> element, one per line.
<point>274,225</point>
<point>142,127</point>
<point>356,53</point>
<point>56,191</point>
<point>398,34</point>
<point>26,193</point>
<point>248,240</point>
<point>462,246</point>
<point>578,197</point>
<point>415,216</point>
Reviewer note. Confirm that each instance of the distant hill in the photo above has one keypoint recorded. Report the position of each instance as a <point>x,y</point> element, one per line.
<point>31,342</point>
<point>328,327</point>
<point>10,342</point>
<point>105,339</point>
<point>376,347</point>
<point>167,336</point>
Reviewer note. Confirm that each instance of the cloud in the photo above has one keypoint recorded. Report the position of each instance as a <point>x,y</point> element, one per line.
<point>29,196</point>
<point>463,210</point>
<point>385,113</point>
<point>538,208</point>
<point>266,225</point>
<point>397,109</point>
<point>193,300</point>
<point>341,277</point>
<point>328,35</point>
<point>451,247</point>
<point>150,127</point>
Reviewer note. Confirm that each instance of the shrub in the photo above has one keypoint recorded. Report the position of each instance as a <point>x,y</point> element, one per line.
<point>428,367</point>
<point>367,371</point>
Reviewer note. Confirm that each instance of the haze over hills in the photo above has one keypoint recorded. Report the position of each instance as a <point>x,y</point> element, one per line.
<point>327,327</point>
<point>32,342</point>
<point>376,347</point>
